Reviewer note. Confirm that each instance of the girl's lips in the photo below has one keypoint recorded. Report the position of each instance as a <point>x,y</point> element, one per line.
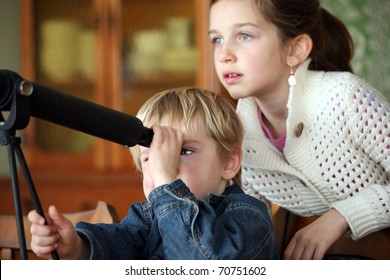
<point>232,78</point>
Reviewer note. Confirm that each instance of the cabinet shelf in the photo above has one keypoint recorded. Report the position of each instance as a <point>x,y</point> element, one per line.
<point>82,88</point>
<point>164,79</point>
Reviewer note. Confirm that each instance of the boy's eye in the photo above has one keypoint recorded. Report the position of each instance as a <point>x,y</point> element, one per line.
<point>186,152</point>
<point>144,159</point>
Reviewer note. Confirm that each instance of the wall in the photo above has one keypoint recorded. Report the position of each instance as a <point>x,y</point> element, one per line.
<point>369,24</point>
<point>9,54</point>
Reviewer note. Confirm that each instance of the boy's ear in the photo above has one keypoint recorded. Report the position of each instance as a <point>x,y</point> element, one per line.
<point>299,49</point>
<point>232,165</point>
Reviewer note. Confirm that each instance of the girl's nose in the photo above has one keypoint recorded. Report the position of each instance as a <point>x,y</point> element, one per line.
<point>226,54</point>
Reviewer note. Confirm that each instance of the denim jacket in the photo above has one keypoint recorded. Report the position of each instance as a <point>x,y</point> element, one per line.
<point>173,224</point>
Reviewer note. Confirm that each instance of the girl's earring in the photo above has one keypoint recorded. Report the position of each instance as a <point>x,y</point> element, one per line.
<point>292,81</point>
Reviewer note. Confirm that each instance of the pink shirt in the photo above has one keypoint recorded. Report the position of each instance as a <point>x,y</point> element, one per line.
<point>279,142</point>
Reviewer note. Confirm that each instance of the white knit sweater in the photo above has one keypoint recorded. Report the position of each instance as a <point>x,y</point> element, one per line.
<point>341,160</point>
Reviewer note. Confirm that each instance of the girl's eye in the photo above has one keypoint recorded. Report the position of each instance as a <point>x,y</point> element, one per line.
<point>216,41</point>
<point>186,152</point>
<point>245,37</point>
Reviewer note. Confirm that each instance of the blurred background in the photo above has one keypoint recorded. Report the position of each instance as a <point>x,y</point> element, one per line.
<point>118,53</point>
<point>9,53</point>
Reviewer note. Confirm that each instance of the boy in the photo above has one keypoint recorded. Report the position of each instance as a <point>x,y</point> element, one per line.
<point>195,208</point>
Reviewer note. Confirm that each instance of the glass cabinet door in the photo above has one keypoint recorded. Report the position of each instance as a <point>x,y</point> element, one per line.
<point>64,55</point>
<point>159,48</point>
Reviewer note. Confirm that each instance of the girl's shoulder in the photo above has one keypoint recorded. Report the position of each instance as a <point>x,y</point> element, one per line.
<point>341,79</point>
<point>349,84</point>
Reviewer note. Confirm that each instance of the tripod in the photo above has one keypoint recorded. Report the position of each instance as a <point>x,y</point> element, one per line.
<point>17,102</point>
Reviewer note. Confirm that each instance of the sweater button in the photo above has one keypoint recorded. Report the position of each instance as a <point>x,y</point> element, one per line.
<point>299,129</point>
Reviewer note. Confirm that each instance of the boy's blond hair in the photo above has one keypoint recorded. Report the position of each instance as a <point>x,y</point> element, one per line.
<point>184,104</point>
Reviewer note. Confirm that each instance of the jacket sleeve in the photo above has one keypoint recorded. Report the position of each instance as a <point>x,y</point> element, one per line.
<point>125,240</point>
<point>239,228</point>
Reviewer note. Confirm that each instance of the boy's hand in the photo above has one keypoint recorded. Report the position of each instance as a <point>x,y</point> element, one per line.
<point>59,235</point>
<point>164,156</point>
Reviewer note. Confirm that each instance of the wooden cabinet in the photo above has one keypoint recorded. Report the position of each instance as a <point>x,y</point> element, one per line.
<point>113,52</point>
<point>116,53</point>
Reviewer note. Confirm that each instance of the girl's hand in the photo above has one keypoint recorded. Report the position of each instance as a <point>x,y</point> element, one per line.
<point>312,241</point>
<point>59,235</point>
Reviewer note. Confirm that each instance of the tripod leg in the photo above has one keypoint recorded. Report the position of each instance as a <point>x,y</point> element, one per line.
<point>32,190</point>
<point>17,204</point>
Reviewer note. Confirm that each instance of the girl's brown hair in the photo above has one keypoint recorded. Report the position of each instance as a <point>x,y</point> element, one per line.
<point>333,46</point>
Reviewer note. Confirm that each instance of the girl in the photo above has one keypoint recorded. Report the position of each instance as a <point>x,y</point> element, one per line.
<point>317,138</point>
